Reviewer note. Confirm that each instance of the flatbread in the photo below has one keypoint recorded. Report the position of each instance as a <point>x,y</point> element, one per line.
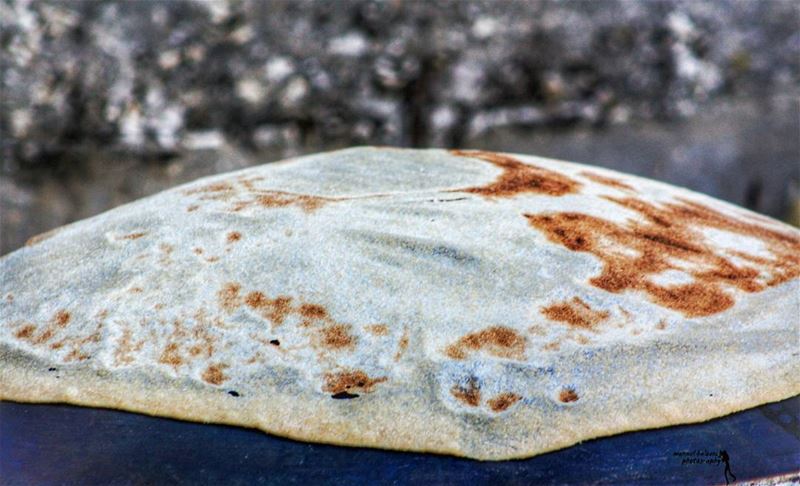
<point>469,303</point>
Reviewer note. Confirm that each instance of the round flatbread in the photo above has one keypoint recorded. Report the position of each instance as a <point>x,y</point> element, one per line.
<point>479,304</point>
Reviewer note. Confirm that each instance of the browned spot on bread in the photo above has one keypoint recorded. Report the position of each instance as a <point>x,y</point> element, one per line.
<point>345,381</point>
<point>469,394</point>
<point>576,313</point>
<point>170,355</point>
<point>76,355</point>
<point>234,236</point>
<point>61,318</point>
<point>25,332</point>
<point>133,236</point>
<point>568,395</point>
<point>552,346</point>
<point>275,310</point>
<point>336,337</point>
<point>502,401</point>
<point>401,345</point>
<point>497,340</point>
<point>313,311</point>
<point>276,199</point>
<point>228,297</point>
<point>192,207</point>
<point>122,353</point>
<point>670,238</point>
<point>211,188</point>
<point>44,336</point>
<point>518,177</point>
<point>136,290</point>
<point>607,181</point>
<point>378,329</point>
<point>214,375</point>
<point>661,325</point>
<point>33,240</point>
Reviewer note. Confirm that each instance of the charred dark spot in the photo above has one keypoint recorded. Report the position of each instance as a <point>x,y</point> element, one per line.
<point>275,342</point>
<point>233,393</point>
<point>52,369</point>
<point>518,177</point>
<point>344,396</point>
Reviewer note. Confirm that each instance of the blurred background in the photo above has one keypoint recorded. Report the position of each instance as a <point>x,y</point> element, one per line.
<point>105,102</point>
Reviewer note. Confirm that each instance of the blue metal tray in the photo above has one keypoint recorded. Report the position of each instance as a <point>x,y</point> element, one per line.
<point>62,444</point>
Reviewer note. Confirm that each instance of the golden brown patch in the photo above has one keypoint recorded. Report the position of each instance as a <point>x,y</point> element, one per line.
<point>336,337</point>
<point>133,236</point>
<point>233,237</point>
<point>276,199</point>
<point>670,238</point>
<point>25,332</point>
<point>607,181</point>
<point>346,381</point>
<point>518,177</point>
<point>228,297</point>
<point>76,355</point>
<point>61,318</point>
<point>313,311</point>
<point>552,346</point>
<point>568,395</point>
<point>44,336</point>
<point>469,394</point>
<point>275,310</point>
<point>122,353</point>
<point>378,329</point>
<point>661,325</point>
<point>170,355</point>
<point>502,401</point>
<point>497,340</point>
<point>214,375</point>
<point>576,313</point>
<point>211,188</point>
<point>402,345</point>
<point>192,207</point>
<point>33,240</point>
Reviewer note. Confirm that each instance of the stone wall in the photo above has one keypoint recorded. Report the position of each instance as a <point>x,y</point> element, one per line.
<point>157,77</point>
